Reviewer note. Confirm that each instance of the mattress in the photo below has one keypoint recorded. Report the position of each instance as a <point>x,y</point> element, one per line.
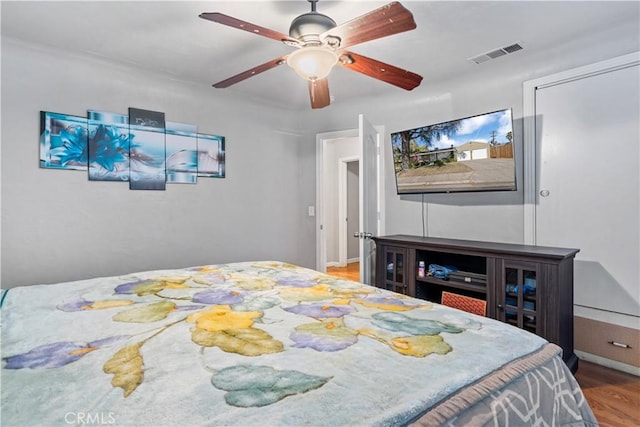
<point>271,344</point>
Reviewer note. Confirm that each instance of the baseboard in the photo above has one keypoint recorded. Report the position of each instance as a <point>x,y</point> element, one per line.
<point>613,364</point>
<point>338,264</point>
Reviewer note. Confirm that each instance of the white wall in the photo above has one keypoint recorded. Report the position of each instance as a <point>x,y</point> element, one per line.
<point>58,226</point>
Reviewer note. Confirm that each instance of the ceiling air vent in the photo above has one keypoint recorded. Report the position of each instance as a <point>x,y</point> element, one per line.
<point>497,53</point>
<point>513,48</point>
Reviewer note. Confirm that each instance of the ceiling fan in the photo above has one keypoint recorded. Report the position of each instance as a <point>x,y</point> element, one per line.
<point>321,45</point>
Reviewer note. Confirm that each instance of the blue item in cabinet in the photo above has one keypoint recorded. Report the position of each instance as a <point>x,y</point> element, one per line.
<point>441,271</point>
<point>529,287</point>
<point>528,305</point>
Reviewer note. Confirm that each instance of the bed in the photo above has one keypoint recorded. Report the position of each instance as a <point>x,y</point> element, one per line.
<point>270,344</point>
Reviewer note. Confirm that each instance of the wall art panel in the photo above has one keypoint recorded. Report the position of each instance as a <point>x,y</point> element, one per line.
<point>140,147</point>
<point>63,141</point>
<point>182,153</point>
<point>108,146</point>
<point>211,156</point>
<point>147,152</point>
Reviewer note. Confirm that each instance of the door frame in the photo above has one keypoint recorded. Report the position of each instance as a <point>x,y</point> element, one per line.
<point>322,139</point>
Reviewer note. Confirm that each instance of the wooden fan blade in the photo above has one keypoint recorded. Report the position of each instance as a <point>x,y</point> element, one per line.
<point>382,22</point>
<point>379,70</point>
<point>252,72</point>
<point>247,26</point>
<point>319,93</point>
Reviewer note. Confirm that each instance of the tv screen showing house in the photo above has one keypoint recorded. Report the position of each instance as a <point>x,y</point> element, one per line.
<point>470,154</point>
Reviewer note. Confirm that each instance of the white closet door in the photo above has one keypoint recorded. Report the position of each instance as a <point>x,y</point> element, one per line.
<point>588,138</point>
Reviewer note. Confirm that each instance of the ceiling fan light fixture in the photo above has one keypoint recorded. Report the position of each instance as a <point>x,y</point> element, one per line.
<point>312,62</point>
<point>321,45</point>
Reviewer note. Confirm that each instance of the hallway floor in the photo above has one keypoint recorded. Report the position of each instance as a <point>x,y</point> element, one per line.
<point>350,272</point>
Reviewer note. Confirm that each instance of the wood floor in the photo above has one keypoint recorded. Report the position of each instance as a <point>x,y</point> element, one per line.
<point>350,272</point>
<point>614,396</point>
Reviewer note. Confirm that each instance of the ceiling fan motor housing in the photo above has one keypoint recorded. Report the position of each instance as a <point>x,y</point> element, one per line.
<point>308,27</point>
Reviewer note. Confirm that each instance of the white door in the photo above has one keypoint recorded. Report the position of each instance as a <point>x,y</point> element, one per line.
<point>587,136</point>
<point>369,191</point>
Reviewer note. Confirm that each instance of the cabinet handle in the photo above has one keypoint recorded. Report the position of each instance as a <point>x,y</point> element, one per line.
<point>500,307</point>
<point>619,344</point>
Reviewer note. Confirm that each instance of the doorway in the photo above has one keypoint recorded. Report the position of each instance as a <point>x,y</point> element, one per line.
<point>348,211</point>
<point>333,198</point>
<point>362,144</point>
<point>348,199</point>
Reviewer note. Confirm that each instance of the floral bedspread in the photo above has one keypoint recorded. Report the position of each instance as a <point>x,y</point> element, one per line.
<point>255,343</point>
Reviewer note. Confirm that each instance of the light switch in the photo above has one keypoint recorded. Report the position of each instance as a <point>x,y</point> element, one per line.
<point>312,211</point>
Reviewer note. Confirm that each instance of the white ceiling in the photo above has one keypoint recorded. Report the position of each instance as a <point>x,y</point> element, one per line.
<point>168,37</point>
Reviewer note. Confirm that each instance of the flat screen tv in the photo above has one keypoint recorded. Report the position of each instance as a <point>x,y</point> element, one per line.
<point>470,154</point>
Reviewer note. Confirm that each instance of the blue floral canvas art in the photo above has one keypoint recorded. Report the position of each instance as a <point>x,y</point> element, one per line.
<point>63,141</point>
<point>108,145</point>
<point>139,147</point>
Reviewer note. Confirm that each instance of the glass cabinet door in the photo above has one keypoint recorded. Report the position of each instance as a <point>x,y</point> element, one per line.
<point>395,269</point>
<point>518,302</point>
